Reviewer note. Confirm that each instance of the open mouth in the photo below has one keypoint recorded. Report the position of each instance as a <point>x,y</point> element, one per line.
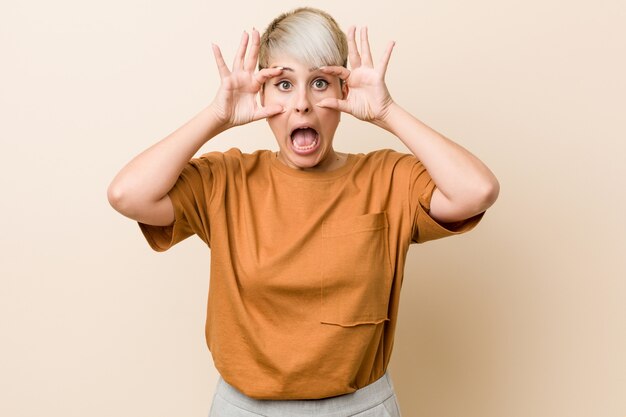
<point>304,140</point>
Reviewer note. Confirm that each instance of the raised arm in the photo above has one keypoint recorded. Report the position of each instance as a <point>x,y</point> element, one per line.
<point>140,190</point>
<point>465,186</point>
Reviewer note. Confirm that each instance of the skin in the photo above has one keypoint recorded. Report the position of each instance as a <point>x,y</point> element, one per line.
<point>297,90</point>
<point>465,186</point>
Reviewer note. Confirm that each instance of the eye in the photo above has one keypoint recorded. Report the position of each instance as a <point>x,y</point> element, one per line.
<point>320,84</point>
<point>283,85</point>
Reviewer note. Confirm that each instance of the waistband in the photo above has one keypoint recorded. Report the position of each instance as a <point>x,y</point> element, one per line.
<point>352,403</point>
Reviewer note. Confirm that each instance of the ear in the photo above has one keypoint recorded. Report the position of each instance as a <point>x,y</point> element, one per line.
<point>344,90</point>
<point>262,95</point>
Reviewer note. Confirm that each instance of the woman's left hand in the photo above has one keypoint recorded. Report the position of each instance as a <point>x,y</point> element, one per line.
<point>368,98</point>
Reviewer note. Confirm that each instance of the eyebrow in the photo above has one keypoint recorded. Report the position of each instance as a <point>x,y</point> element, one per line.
<point>292,70</point>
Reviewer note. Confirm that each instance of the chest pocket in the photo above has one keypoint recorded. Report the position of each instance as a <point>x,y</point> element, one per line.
<point>356,270</point>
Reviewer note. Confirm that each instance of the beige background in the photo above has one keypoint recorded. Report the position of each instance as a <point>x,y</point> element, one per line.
<point>524,316</point>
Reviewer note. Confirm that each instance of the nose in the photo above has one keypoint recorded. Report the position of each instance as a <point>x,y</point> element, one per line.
<point>303,104</point>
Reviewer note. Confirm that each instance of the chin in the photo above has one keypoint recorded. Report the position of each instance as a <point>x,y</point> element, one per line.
<point>303,161</point>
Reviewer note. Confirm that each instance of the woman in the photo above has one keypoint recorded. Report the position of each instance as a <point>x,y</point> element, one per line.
<point>307,244</point>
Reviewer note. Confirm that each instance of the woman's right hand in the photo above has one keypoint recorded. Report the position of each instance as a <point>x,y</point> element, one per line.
<point>235,103</point>
<point>141,189</point>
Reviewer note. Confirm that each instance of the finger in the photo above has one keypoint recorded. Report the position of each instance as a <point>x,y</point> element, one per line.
<point>366,54</point>
<point>253,55</point>
<point>340,72</point>
<point>267,73</point>
<point>241,52</point>
<point>336,104</point>
<point>384,62</point>
<point>353,54</point>
<point>269,111</point>
<point>219,60</point>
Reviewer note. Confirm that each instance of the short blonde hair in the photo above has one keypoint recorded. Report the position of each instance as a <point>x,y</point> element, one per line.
<point>307,34</point>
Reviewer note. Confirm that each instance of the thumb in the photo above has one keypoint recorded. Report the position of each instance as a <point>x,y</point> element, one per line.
<point>269,111</point>
<point>336,104</point>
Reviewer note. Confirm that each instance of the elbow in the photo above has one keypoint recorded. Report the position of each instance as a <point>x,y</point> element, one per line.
<point>131,203</point>
<point>480,197</point>
<point>114,195</point>
<point>487,195</point>
<point>118,198</point>
<point>474,200</point>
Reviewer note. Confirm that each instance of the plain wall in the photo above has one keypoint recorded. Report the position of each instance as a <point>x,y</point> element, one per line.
<point>524,316</point>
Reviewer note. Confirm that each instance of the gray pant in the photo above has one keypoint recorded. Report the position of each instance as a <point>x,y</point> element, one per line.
<point>378,399</point>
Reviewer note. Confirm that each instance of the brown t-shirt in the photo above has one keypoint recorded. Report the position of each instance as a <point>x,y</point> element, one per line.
<point>306,267</point>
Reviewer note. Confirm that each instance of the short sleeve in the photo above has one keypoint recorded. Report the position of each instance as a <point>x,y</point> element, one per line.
<point>425,228</point>
<point>190,197</point>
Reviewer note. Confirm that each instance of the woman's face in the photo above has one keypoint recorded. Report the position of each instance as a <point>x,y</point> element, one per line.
<point>304,132</point>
